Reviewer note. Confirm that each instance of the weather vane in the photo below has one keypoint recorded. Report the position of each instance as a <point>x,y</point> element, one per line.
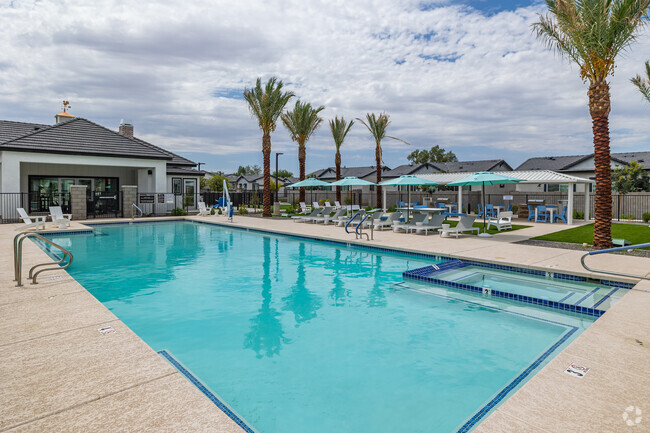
<point>66,106</point>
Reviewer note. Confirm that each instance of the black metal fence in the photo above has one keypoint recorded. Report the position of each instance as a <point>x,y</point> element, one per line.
<point>161,204</point>
<point>34,203</point>
<point>103,204</point>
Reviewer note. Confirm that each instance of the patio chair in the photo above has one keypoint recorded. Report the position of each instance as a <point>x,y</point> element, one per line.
<point>509,207</point>
<point>315,205</point>
<point>502,222</point>
<point>304,209</point>
<point>302,218</point>
<point>374,219</point>
<point>340,213</point>
<point>328,204</point>
<point>337,205</point>
<point>531,213</point>
<point>354,220</point>
<point>388,221</point>
<point>419,217</point>
<point>401,204</point>
<point>542,214</point>
<point>203,210</point>
<point>434,223</point>
<point>325,213</point>
<point>466,224</point>
<point>490,211</point>
<point>480,210</point>
<point>39,220</point>
<point>560,215</point>
<point>58,217</point>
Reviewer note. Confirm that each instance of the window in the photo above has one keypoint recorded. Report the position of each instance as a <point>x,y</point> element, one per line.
<point>177,185</point>
<point>190,190</point>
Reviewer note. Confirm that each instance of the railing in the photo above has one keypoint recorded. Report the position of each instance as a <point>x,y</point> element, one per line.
<point>612,250</point>
<point>140,210</point>
<point>358,231</point>
<point>18,258</point>
<point>350,221</point>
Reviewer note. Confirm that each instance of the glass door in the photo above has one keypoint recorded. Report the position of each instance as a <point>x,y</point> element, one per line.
<point>190,190</point>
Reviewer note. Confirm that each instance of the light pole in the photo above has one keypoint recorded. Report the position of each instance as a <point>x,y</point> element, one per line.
<point>276,174</point>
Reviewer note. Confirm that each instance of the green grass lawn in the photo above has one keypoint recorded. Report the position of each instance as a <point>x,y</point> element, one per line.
<point>634,233</point>
<point>492,230</point>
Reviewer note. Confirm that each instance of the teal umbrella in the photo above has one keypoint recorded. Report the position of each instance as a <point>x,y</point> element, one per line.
<point>351,181</point>
<point>484,178</point>
<point>408,180</point>
<point>310,181</point>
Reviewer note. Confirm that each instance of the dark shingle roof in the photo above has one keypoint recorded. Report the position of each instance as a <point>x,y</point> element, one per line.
<point>10,130</point>
<point>564,163</point>
<point>186,171</point>
<point>470,166</point>
<point>360,172</point>
<point>409,169</point>
<point>83,137</point>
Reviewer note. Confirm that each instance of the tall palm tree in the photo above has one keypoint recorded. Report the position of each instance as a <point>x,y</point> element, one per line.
<point>377,126</point>
<point>340,129</point>
<point>643,83</point>
<point>592,33</point>
<point>302,122</point>
<point>266,105</point>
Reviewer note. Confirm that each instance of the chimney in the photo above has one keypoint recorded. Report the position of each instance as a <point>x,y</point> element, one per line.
<point>126,128</point>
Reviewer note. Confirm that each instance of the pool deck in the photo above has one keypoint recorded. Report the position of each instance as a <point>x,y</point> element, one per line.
<point>59,373</point>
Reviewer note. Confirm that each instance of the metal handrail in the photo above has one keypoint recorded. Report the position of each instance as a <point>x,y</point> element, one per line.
<point>136,206</point>
<point>18,258</point>
<point>359,229</point>
<point>611,250</point>
<point>350,221</point>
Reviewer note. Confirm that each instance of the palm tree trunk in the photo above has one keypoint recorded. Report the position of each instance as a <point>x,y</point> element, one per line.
<point>266,152</point>
<point>337,162</point>
<point>302,155</point>
<point>378,157</point>
<point>599,107</point>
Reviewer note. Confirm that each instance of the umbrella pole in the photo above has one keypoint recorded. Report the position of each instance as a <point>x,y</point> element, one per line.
<point>408,205</point>
<point>484,234</point>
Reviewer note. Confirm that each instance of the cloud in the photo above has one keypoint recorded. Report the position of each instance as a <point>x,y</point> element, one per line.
<point>472,81</point>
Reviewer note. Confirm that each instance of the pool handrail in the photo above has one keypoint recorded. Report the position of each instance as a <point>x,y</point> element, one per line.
<point>612,250</point>
<point>350,221</point>
<point>133,214</point>
<point>18,258</point>
<point>358,231</point>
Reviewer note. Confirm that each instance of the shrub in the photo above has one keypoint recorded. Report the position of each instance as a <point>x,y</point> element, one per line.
<point>178,212</point>
<point>628,217</point>
<point>347,200</point>
<point>392,209</point>
<point>369,208</point>
<point>515,209</point>
<point>220,211</point>
<point>646,217</point>
<point>212,211</point>
<point>242,210</point>
<point>578,215</point>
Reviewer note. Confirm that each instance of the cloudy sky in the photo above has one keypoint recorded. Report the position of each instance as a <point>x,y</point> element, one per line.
<point>466,75</point>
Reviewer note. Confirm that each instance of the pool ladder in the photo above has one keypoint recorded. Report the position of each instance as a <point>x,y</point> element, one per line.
<point>133,213</point>
<point>18,258</point>
<point>611,250</point>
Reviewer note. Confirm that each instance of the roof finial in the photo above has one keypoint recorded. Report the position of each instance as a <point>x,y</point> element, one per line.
<point>66,106</point>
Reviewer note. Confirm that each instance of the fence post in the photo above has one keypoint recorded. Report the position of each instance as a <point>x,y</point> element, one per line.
<point>78,202</point>
<point>129,196</point>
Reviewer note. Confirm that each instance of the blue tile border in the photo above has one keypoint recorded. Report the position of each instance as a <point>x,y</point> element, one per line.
<point>213,398</point>
<point>604,298</point>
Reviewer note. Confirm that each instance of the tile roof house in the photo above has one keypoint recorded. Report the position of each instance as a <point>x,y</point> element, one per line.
<point>48,159</point>
<point>448,167</point>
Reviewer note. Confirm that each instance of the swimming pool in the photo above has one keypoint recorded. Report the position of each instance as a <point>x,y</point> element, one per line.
<point>298,335</point>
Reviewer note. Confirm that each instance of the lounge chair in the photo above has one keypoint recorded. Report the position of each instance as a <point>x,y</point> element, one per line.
<point>417,218</point>
<point>39,220</point>
<point>328,204</point>
<point>434,223</point>
<point>502,222</point>
<point>315,205</point>
<point>203,210</point>
<point>354,220</point>
<point>337,205</point>
<point>304,209</point>
<point>334,219</point>
<point>325,213</point>
<point>302,218</point>
<point>374,219</point>
<point>466,224</point>
<point>58,217</point>
<point>388,221</point>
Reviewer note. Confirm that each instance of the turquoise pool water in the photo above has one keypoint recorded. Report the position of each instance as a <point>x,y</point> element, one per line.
<point>306,336</point>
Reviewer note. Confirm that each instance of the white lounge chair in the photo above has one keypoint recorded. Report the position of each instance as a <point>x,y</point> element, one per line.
<point>389,221</point>
<point>434,223</point>
<point>59,218</point>
<point>203,210</point>
<point>419,217</point>
<point>304,209</point>
<point>374,219</point>
<point>337,205</point>
<point>328,204</point>
<point>325,213</point>
<point>340,213</point>
<point>465,224</point>
<point>315,205</point>
<point>502,222</point>
<point>303,218</point>
<point>39,220</point>
<point>354,219</point>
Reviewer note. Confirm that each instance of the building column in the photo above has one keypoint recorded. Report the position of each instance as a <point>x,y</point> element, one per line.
<point>460,200</point>
<point>385,205</point>
<point>587,202</point>
<point>78,202</point>
<point>569,209</point>
<point>129,197</point>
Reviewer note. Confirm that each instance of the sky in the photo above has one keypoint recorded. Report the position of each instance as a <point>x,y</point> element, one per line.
<point>469,76</point>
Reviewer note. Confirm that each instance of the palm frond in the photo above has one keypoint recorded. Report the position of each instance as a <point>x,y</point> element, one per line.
<point>267,103</point>
<point>340,129</point>
<point>302,121</point>
<point>643,84</point>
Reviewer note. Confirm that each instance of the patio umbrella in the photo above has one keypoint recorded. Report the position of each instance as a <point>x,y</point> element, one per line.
<point>484,178</point>
<point>351,181</point>
<point>408,180</point>
<point>310,181</point>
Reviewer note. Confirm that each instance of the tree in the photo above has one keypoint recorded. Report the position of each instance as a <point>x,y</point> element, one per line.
<point>302,122</point>
<point>592,33</point>
<point>377,126</point>
<point>436,154</point>
<point>283,173</point>
<point>214,183</point>
<point>631,178</point>
<point>248,170</point>
<point>266,105</point>
<point>340,129</point>
<point>643,83</point>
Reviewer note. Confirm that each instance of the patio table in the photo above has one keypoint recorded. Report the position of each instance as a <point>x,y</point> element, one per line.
<point>550,213</point>
<point>450,207</point>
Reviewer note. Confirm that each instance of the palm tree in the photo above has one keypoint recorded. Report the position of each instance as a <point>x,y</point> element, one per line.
<point>377,126</point>
<point>340,129</point>
<point>266,105</point>
<point>643,83</point>
<point>302,122</point>
<point>592,33</point>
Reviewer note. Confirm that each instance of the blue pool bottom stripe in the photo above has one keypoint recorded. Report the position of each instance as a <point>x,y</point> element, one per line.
<point>604,298</point>
<point>213,398</point>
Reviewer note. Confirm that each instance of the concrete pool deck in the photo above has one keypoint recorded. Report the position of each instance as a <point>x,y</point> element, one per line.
<point>60,374</point>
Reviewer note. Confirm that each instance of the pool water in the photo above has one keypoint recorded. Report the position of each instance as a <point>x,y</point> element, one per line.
<point>306,336</point>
